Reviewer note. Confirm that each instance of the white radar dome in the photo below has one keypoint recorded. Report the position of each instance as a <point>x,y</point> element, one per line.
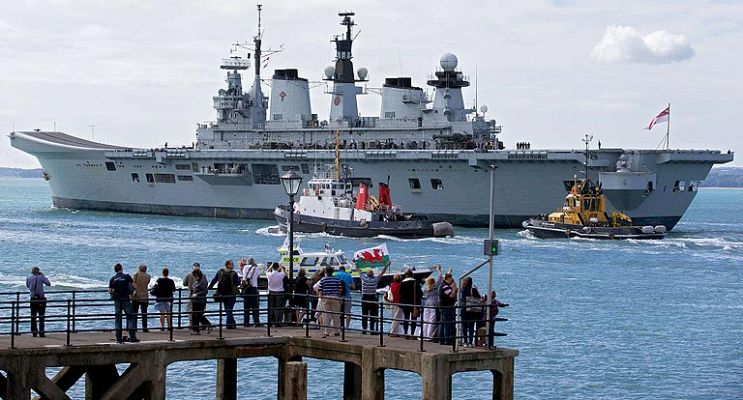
<point>448,62</point>
<point>362,72</point>
<point>329,71</point>
<point>483,108</point>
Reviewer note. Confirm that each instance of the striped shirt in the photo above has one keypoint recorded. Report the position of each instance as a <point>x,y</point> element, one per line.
<point>369,284</point>
<point>330,286</point>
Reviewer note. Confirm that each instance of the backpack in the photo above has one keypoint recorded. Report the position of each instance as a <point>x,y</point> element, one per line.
<point>226,284</point>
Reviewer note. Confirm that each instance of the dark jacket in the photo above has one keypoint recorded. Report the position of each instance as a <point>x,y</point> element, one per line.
<point>410,292</point>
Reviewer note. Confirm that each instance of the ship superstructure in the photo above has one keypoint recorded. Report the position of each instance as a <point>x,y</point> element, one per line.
<point>434,151</point>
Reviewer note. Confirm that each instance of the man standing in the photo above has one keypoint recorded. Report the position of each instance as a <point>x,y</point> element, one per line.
<point>121,286</point>
<point>187,281</point>
<point>227,283</point>
<point>249,287</point>
<point>276,304</point>
<point>369,299</point>
<point>330,293</point>
<point>347,280</point>
<point>141,298</point>
<point>35,284</point>
<point>447,300</point>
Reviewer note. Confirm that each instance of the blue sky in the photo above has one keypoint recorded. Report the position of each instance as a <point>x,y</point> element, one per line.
<point>144,72</point>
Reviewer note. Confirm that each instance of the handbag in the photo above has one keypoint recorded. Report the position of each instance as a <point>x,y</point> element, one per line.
<point>472,304</point>
<point>154,291</point>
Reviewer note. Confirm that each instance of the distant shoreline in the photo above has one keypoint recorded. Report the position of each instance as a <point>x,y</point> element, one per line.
<point>719,178</point>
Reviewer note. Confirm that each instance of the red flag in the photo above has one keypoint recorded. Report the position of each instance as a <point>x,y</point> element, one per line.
<point>662,117</point>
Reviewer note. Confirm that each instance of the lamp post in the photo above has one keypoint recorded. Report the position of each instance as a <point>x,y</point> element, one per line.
<point>491,220</point>
<point>291,181</point>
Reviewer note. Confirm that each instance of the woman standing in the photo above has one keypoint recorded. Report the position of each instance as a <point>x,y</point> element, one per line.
<point>410,299</point>
<point>301,292</point>
<point>164,288</point>
<point>471,300</point>
<point>199,289</point>
<point>393,296</point>
<point>430,303</point>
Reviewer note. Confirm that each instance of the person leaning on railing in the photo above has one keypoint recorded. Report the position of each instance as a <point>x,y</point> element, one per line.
<point>369,299</point>
<point>140,297</point>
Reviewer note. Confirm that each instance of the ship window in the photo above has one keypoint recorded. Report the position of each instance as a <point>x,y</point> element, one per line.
<point>164,178</point>
<point>195,167</point>
<point>185,178</point>
<point>135,177</point>
<point>110,166</point>
<point>389,115</point>
<point>182,166</point>
<point>650,187</point>
<point>278,117</point>
<point>266,174</point>
<point>436,184</point>
<point>415,184</point>
<point>150,178</point>
<point>365,181</point>
<point>287,168</point>
<point>308,262</point>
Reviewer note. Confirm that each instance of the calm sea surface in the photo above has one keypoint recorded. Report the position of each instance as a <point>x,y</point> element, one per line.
<point>611,320</point>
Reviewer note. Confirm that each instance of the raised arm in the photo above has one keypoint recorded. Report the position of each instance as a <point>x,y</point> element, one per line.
<point>387,265</point>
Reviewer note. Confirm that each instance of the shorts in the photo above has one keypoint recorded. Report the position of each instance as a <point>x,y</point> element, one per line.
<point>163,306</point>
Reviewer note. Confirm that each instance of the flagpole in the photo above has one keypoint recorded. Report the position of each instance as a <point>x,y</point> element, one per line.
<point>668,128</point>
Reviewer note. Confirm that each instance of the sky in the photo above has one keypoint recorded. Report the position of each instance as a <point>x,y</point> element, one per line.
<point>143,73</point>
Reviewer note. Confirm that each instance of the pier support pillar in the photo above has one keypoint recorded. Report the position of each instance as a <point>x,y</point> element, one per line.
<point>436,378</point>
<point>503,381</point>
<point>294,381</point>
<point>227,379</point>
<point>351,381</point>
<point>98,378</point>
<point>18,382</point>
<point>372,383</point>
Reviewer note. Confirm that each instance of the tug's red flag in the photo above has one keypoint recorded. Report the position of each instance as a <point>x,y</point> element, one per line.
<point>662,117</point>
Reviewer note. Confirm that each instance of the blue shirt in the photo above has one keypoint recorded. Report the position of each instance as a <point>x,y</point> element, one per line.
<point>121,286</point>
<point>347,280</point>
<point>35,284</point>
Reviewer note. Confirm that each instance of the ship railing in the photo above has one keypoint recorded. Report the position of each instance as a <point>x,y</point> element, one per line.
<point>71,312</point>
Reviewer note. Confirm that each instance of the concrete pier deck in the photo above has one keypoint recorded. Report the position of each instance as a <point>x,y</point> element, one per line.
<point>95,354</point>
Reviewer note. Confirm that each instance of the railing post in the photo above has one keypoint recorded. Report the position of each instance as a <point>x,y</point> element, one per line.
<point>179,307</point>
<point>220,320</point>
<point>380,323</point>
<point>18,312</point>
<point>69,321</point>
<point>170,318</point>
<point>307,316</point>
<point>269,320</point>
<point>13,330</point>
<point>74,304</point>
<point>456,329</point>
<point>343,319</point>
<point>420,314</point>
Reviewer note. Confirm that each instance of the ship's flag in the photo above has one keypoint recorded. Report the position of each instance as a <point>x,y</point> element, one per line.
<point>373,257</point>
<point>662,117</point>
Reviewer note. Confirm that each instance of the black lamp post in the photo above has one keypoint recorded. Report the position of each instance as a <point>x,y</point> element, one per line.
<point>291,181</point>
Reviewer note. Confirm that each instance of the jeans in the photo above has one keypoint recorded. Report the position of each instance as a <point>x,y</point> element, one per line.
<point>197,316</point>
<point>125,307</point>
<point>250,300</point>
<point>448,327</point>
<point>38,310</point>
<point>229,304</point>
<point>369,311</point>
<point>139,306</point>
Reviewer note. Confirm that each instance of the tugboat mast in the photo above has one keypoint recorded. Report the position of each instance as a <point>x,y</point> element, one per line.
<point>587,139</point>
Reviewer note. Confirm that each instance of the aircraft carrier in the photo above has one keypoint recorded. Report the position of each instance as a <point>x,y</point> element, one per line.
<point>434,152</point>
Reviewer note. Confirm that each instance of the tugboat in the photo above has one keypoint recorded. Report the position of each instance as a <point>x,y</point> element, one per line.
<point>328,205</point>
<point>584,215</point>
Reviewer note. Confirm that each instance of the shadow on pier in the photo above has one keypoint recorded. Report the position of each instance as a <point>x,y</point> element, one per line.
<point>80,341</point>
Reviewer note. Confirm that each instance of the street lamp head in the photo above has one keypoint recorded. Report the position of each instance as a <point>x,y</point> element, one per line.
<point>291,181</point>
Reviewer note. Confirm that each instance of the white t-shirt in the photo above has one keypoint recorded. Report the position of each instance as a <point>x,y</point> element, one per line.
<point>251,275</point>
<point>275,281</point>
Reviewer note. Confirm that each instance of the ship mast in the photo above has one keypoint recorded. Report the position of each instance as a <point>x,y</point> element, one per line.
<point>587,139</point>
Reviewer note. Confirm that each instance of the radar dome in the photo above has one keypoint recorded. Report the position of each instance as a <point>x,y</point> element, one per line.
<point>448,62</point>
<point>483,108</point>
<point>329,72</point>
<point>362,72</point>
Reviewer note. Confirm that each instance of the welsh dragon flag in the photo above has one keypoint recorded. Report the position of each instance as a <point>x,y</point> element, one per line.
<point>373,257</point>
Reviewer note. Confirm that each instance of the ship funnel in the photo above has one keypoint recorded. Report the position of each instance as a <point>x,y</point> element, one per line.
<point>290,98</point>
<point>401,100</point>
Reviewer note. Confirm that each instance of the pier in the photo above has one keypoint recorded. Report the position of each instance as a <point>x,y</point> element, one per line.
<point>79,340</point>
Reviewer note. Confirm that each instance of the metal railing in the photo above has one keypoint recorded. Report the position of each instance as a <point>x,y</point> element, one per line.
<point>70,312</point>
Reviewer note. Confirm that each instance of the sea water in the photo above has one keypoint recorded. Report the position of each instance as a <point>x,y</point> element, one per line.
<point>592,319</point>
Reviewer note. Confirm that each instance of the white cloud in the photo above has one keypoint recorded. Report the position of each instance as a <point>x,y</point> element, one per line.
<point>624,44</point>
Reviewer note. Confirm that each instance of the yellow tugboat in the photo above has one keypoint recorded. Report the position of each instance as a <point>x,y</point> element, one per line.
<point>584,215</point>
